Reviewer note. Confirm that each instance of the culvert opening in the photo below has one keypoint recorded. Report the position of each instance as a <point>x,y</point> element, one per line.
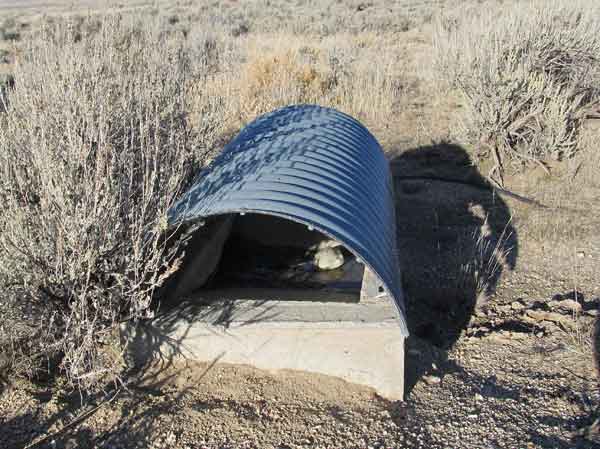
<point>257,256</point>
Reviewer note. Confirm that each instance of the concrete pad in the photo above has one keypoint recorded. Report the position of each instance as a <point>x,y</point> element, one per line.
<point>359,342</point>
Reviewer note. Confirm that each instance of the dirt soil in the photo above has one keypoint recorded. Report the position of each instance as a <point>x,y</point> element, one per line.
<point>497,390</point>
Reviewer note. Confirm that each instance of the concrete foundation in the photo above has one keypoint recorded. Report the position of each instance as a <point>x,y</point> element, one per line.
<point>359,342</point>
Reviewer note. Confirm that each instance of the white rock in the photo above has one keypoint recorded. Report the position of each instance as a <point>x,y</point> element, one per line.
<point>329,258</point>
<point>432,380</point>
<point>328,244</point>
<point>517,305</point>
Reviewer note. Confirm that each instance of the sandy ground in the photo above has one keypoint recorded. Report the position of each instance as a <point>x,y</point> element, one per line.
<point>499,390</point>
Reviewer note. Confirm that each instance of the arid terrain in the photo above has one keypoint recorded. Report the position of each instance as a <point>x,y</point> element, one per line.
<point>502,292</point>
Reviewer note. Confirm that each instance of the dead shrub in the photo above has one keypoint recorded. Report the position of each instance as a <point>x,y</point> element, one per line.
<point>528,76</point>
<point>95,146</point>
<point>278,79</point>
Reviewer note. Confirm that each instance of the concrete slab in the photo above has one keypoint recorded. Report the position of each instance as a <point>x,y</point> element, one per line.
<point>360,342</point>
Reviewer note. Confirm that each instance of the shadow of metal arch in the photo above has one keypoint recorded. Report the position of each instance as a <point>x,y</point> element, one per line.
<point>315,166</point>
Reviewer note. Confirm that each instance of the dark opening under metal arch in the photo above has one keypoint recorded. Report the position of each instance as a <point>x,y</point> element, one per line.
<point>315,166</point>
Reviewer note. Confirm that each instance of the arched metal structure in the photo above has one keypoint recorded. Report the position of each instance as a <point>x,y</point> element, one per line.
<point>315,166</point>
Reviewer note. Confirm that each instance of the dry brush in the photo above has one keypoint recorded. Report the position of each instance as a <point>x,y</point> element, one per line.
<point>95,146</point>
<point>528,74</point>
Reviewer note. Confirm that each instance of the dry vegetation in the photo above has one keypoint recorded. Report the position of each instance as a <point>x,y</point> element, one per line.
<point>529,77</point>
<point>93,152</point>
<point>106,117</point>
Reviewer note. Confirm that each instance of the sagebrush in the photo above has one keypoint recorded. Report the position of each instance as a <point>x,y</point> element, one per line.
<point>528,74</point>
<point>95,146</point>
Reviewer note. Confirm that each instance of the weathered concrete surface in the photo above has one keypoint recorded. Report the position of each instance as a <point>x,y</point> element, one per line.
<point>358,342</point>
<point>202,255</point>
<point>371,287</point>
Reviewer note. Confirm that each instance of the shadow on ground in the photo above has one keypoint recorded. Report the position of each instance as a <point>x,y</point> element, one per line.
<point>580,430</point>
<point>455,238</point>
<point>144,399</point>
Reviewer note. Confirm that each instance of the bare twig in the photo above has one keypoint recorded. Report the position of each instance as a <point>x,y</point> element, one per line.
<point>77,420</point>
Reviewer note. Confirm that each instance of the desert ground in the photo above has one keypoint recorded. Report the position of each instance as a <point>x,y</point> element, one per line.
<point>502,293</point>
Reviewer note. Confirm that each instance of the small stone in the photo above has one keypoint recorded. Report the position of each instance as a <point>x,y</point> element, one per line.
<point>432,380</point>
<point>478,397</point>
<point>504,308</point>
<point>472,416</point>
<point>329,258</point>
<point>553,317</point>
<point>568,305</point>
<point>517,305</point>
<point>580,254</point>
<point>71,443</point>
<point>384,414</point>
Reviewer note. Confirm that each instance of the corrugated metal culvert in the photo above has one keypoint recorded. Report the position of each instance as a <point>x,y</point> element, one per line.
<point>315,166</point>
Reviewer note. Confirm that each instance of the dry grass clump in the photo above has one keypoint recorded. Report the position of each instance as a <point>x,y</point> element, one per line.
<point>265,72</point>
<point>490,256</point>
<point>95,146</point>
<point>277,78</point>
<point>528,75</point>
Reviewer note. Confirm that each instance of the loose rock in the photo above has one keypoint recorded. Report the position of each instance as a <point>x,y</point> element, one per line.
<point>432,380</point>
